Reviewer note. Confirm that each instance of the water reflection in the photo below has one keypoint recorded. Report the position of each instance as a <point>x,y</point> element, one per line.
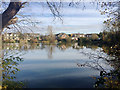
<point>66,60</point>
<point>18,46</point>
<point>30,46</point>
<point>111,78</point>
<point>10,60</point>
<point>49,48</point>
<point>11,63</point>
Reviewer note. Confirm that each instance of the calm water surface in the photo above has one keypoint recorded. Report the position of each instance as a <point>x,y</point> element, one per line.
<point>52,66</point>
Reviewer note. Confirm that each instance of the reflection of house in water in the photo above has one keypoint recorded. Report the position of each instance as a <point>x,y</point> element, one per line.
<point>18,46</point>
<point>92,46</point>
<point>62,47</point>
<point>11,46</point>
<point>76,46</point>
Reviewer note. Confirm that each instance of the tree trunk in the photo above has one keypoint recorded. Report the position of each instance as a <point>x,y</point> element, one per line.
<point>9,13</point>
<point>5,17</point>
<point>1,54</point>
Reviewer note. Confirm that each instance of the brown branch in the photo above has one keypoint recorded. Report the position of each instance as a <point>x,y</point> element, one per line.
<point>10,12</point>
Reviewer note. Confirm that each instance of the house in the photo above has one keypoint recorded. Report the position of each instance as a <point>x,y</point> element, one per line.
<point>81,35</point>
<point>77,35</point>
<point>11,37</point>
<point>30,36</point>
<point>16,37</point>
<point>74,38</point>
<point>62,36</point>
<point>92,36</point>
<point>88,35</point>
<point>74,35</point>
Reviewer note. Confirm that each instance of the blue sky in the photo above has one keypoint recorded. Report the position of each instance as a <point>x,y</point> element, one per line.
<point>75,19</point>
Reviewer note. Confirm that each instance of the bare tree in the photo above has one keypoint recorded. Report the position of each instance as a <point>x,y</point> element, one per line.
<point>9,13</point>
<point>8,16</point>
<point>51,36</point>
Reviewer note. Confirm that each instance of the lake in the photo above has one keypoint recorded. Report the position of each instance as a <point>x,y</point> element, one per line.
<point>58,66</point>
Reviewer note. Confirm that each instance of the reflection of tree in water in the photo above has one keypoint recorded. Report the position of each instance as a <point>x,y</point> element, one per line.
<point>18,46</point>
<point>112,78</point>
<point>97,60</point>
<point>11,58</point>
<point>50,49</point>
<point>109,78</point>
<point>107,65</point>
<point>63,46</point>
